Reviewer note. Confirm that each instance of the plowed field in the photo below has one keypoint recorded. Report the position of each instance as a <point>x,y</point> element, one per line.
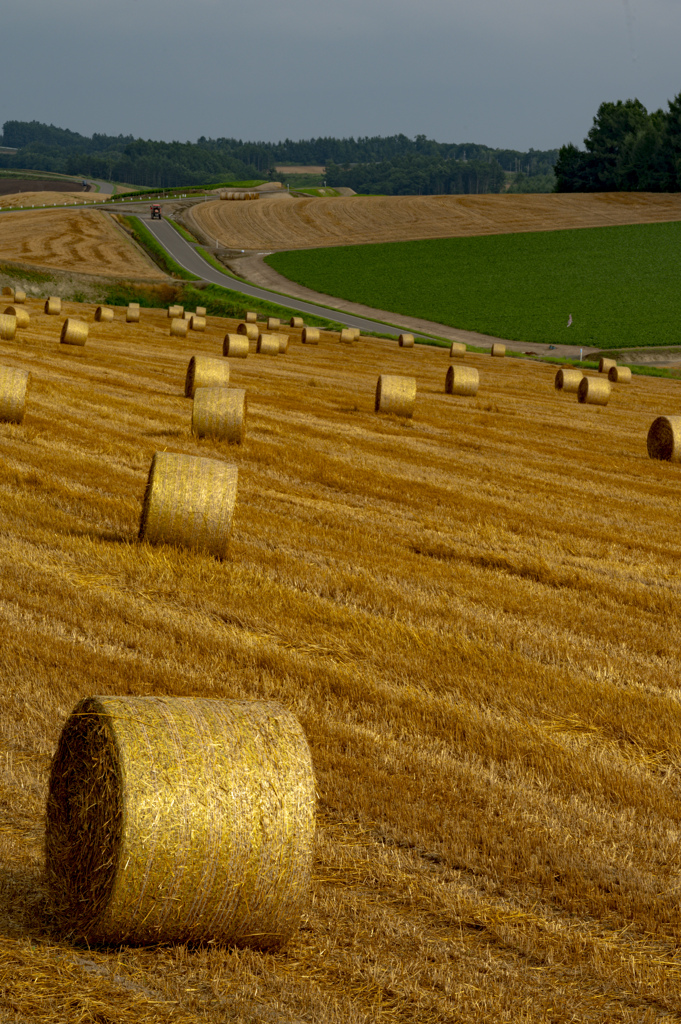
<point>286,223</point>
<point>81,241</point>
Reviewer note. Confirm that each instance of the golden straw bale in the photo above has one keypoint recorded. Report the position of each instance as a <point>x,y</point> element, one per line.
<point>8,292</point>
<point>406,341</point>
<point>189,501</point>
<point>197,323</point>
<point>296,321</point>
<point>219,413</point>
<point>355,331</point>
<point>205,372</point>
<point>251,317</point>
<point>347,336</point>
<point>104,314</point>
<point>8,327</point>
<point>235,345</point>
<point>457,350</point>
<point>273,323</point>
<point>181,820</point>
<point>568,379</point>
<point>175,312</point>
<point>282,341</point>
<point>310,336</point>
<point>132,315</point>
<point>461,380</point>
<point>13,389</point>
<point>395,394</point>
<point>620,374</point>
<point>179,328</point>
<point>605,365</point>
<point>53,305</point>
<point>664,438</point>
<point>268,345</point>
<point>22,317</point>
<point>593,391</point>
<point>497,349</point>
<point>200,310</point>
<point>250,330</point>
<point>133,305</point>
<point>186,315</point>
<point>74,332</point>
<point>19,296</point>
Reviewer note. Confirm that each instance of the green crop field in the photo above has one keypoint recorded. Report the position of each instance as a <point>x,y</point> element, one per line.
<point>619,284</point>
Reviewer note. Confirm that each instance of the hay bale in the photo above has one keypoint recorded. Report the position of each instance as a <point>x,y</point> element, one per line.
<point>132,315</point>
<point>310,336</point>
<point>180,820</point>
<point>497,349</point>
<point>205,372</point>
<point>406,341</point>
<point>219,413</point>
<point>235,345</point>
<point>296,321</point>
<point>664,439</point>
<point>250,330</point>
<point>568,379</point>
<point>104,314</point>
<point>133,305</point>
<point>21,315</point>
<point>457,350</point>
<point>179,328</point>
<point>347,336</point>
<point>619,374</point>
<point>355,332</point>
<point>268,345</point>
<point>605,365</point>
<point>461,380</point>
<point>175,312</point>
<point>74,332</point>
<point>593,391</point>
<point>273,323</point>
<point>19,296</point>
<point>197,323</point>
<point>186,315</point>
<point>282,340</point>
<point>190,502</point>
<point>8,292</point>
<point>53,305</point>
<point>13,389</point>
<point>396,395</point>
<point>8,327</point>
<point>251,317</point>
<point>200,310</point>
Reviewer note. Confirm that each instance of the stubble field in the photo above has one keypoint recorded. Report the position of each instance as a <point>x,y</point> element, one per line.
<point>475,617</point>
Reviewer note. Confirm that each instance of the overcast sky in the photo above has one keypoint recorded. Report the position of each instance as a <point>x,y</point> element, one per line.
<point>506,73</point>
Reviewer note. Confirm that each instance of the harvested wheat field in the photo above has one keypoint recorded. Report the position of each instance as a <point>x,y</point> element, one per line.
<point>474,615</point>
<point>81,241</point>
<point>286,223</point>
<point>15,200</point>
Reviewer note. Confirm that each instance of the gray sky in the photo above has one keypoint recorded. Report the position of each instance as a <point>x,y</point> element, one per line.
<point>506,73</point>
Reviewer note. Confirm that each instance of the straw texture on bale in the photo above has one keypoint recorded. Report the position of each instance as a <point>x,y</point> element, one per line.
<point>396,395</point>
<point>205,372</point>
<point>568,379</point>
<point>19,296</point>
<point>197,323</point>
<point>13,389</point>
<point>189,501</point>
<point>21,315</point>
<point>220,413</point>
<point>74,332</point>
<point>310,336</point>
<point>498,350</point>
<point>593,391</point>
<point>296,321</point>
<point>174,312</point>
<point>268,345</point>
<point>7,291</point>
<point>406,341</point>
<point>620,374</point>
<point>251,317</point>
<point>664,439</point>
<point>53,305</point>
<point>273,323</point>
<point>181,820</point>
<point>132,315</point>
<point>104,314</point>
<point>462,380</point>
<point>186,315</point>
<point>282,341</point>
<point>8,327</point>
<point>605,365</point>
<point>200,310</point>
<point>355,331</point>
<point>179,328</point>
<point>133,305</point>
<point>250,330</point>
<point>457,350</point>
<point>235,345</point>
<point>347,336</point>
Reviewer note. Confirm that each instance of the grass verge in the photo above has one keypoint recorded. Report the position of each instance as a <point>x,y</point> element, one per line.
<point>187,235</point>
<point>144,237</point>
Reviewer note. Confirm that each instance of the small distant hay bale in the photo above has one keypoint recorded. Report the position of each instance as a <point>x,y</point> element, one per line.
<point>104,314</point>
<point>133,305</point>
<point>8,292</point>
<point>187,315</point>
<point>619,374</point>
<point>205,372</point>
<point>568,379</point>
<point>356,332</point>
<point>593,391</point>
<point>347,336</point>
<point>497,349</point>
<point>273,323</point>
<point>175,312</point>
<point>74,332</point>
<point>132,315</point>
<point>179,328</point>
<point>180,820</point>
<point>190,502</point>
<point>14,386</point>
<point>251,317</point>
<point>200,310</point>
<point>310,336</point>
<point>8,327</point>
<point>605,365</point>
<point>250,330</point>
<point>296,321</point>
<point>268,345</point>
<point>457,350</point>
<point>53,305</point>
<point>282,341</point>
<point>197,323</point>
<point>235,345</point>
<point>462,380</point>
<point>406,341</point>
<point>22,317</point>
<point>219,413</point>
<point>664,439</point>
<point>19,296</point>
<point>395,395</point>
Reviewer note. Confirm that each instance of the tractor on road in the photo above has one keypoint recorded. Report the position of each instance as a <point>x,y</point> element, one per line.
<point>155,211</point>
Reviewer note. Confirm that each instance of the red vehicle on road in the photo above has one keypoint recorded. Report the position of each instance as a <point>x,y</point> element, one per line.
<point>155,211</point>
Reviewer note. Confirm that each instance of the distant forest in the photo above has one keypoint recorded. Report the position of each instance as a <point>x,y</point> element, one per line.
<point>395,165</point>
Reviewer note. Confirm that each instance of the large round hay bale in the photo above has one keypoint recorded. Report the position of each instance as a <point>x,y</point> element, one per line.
<point>175,312</point>
<point>250,330</point>
<point>568,379</point>
<point>620,374</point>
<point>282,341</point>
<point>461,380</point>
<point>457,350</point>
<point>664,438</point>
<point>132,315</point>
<point>205,372</point>
<point>498,349</point>
<point>197,323</point>
<point>200,310</point>
<point>268,345</point>
<point>593,391</point>
<point>53,305</point>
<point>605,365</point>
<point>395,394</point>
<point>179,328</point>
<point>235,345</point>
<point>190,502</point>
<point>19,296</point>
<point>406,341</point>
<point>310,336</point>
<point>74,332</point>
<point>22,316</point>
<point>296,321</point>
<point>8,327</point>
<point>219,413</point>
<point>347,336</point>
<point>104,314</point>
<point>180,820</point>
<point>14,385</point>
<point>7,292</point>
<point>251,316</point>
<point>273,323</point>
